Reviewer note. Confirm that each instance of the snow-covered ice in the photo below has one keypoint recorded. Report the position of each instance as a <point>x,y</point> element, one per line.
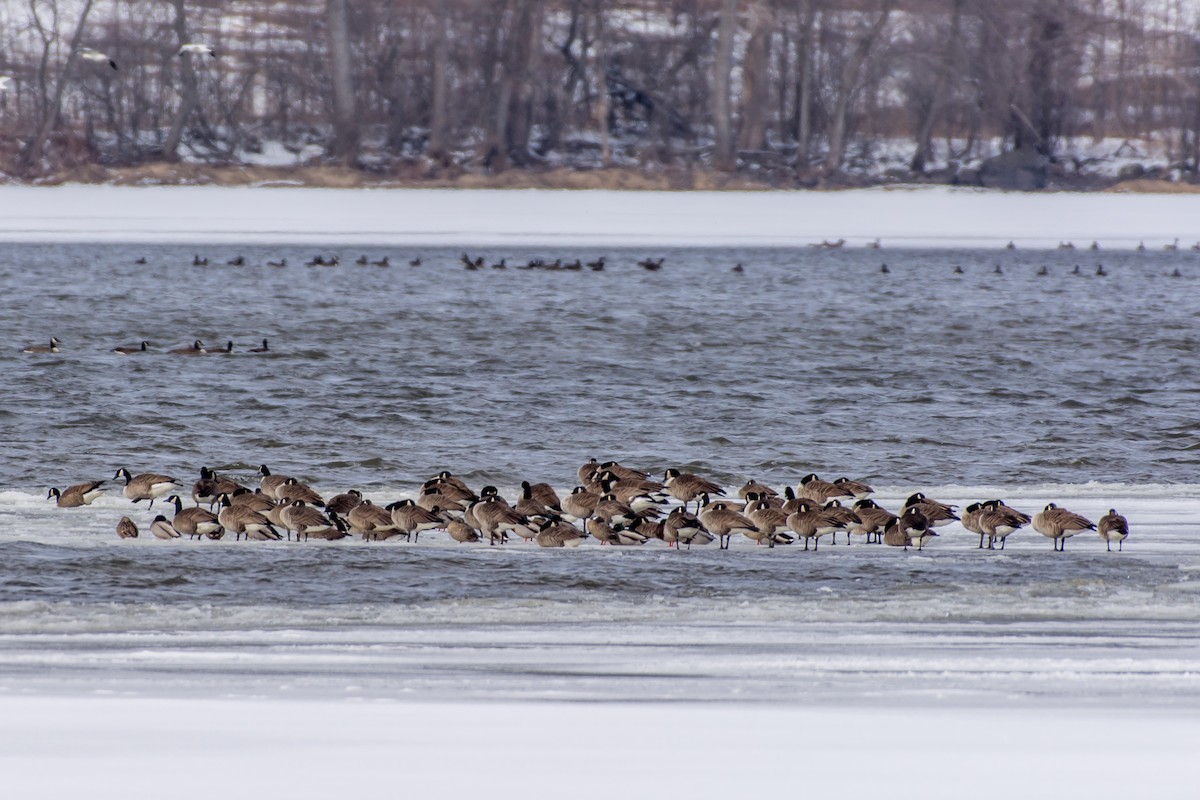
<point>909,217</point>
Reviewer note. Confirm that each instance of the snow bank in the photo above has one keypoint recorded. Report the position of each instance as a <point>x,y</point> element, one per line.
<point>909,217</point>
<point>104,747</point>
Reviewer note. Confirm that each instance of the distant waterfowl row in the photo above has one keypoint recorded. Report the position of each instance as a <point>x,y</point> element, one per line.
<point>613,504</point>
<point>1042,271</point>
<point>196,348</point>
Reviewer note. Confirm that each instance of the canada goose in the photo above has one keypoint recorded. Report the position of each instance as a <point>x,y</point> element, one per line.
<point>1059,524</point>
<point>1100,271</point>
<point>264,349</point>
<point>197,349</point>
<point>997,521</point>
<point>754,499</point>
<point>96,57</point>
<point>821,491</point>
<point>292,489</point>
<point>651,264</point>
<point>316,261</point>
<point>1141,248</point>
<point>738,268</point>
<point>804,521</point>
<point>875,245</point>
<point>614,512</point>
<point>1172,247</point>
<point>385,262</point>
<point>126,529</point>
<point>935,513</point>
<point>410,519</point>
<point>242,521</point>
<point>683,528</point>
<point>461,532</point>
<point>501,264</point>
<point>81,494</point>
<point>210,487</point>
<point>588,470</point>
<point>280,263</point>
<point>624,473</point>
<point>163,529</point>
<point>413,262</point>
<point>724,522</point>
<point>1043,271</point>
<point>872,521</point>
<point>998,270</point>
<point>197,49</point>
<point>1177,273</point>
<point>770,524</point>
<point>194,522</point>
<point>970,520</point>
<point>911,527</point>
<point>553,533</point>
<point>237,261</point>
<point>226,350</point>
<point>1113,526</point>
<point>255,501</point>
<point>753,486</point>
<point>597,265</point>
<point>1011,245</point>
<point>362,261</point>
<point>883,269</point>
<point>1066,246</point>
<point>126,351</point>
<point>580,503</point>
<point>306,521</point>
<point>147,486</point>
<point>450,488</point>
<point>543,494</point>
<point>837,518</point>
<point>343,503</point>
<point>686,487</point>
<point>497,519</point>
<point>42,348</point>
<point>857,489</point>
<point>269,483</point>
<point>1095,246</point>
<point>371,522</point>
<point>958,270</point>
<point>434,498</point>
<point>197,261</point>
<point>1076,271</point>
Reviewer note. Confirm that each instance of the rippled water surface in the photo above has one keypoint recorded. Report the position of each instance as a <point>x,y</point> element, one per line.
<point>807,361</point>
<point>978,384</point>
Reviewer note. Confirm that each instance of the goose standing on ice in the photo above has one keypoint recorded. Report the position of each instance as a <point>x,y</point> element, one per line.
<point>197,49</point>
<point>1113,527</point>
<point>95,56</point>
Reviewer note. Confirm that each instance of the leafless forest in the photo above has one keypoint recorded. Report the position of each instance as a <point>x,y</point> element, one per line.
<point>781,92</point>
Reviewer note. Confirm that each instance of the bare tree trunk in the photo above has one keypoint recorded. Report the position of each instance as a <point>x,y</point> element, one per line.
<point>602,83</point>
<point>438,122</point>
<point>723,156</point>
<point>804,87</point>
<point>755,77</point>
<point>925,127</point>
<point>190,94</point>
<point>345,116</point>
<point>33,154</point>
<point>849,82</point>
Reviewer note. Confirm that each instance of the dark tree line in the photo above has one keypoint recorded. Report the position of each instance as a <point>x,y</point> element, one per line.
<point>783,90</point>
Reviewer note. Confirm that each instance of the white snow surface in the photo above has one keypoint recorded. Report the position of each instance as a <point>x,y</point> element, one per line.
<point>141,748</point>
<point>905,217</point>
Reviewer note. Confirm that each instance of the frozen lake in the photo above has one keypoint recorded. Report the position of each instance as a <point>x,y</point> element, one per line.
<point>1068,388</point>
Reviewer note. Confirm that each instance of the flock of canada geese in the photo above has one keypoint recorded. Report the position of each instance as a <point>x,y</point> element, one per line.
<point>613,504</point>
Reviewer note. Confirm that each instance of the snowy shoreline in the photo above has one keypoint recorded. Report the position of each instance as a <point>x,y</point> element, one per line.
<point>912,217</point>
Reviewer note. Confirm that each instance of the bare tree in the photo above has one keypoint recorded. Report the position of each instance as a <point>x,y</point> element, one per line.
<point>345,115</point>
<point>723,155</point>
